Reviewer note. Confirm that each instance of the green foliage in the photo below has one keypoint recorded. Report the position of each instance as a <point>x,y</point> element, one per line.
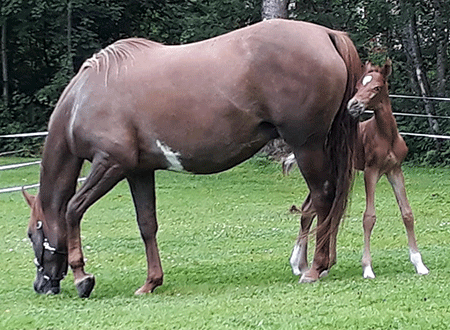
<point>225,241</point>
<point>40,65</point>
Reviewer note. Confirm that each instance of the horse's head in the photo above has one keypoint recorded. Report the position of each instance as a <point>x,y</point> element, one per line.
<point>50,261</point>
<point>371,89</point>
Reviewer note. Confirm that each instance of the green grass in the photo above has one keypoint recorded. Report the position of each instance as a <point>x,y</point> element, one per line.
<point>225,241</point>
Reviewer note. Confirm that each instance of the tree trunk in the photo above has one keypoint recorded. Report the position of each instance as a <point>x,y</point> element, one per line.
<point>4,66</point>
<point>277,148</point>
<point>69,37</point>
<point>412,47</point>
<point>442,36</point>
<point>274,9</point>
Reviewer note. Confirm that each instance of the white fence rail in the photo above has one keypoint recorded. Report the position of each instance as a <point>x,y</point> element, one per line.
<point>43,134</point>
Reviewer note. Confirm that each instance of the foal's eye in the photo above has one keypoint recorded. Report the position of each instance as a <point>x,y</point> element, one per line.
<point>377,88</point>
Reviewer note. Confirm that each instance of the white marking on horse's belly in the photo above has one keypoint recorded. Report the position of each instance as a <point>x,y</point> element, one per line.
<point>171,156</point>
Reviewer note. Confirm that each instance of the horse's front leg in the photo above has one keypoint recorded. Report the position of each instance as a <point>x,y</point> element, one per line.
<point>299,255</point>
<point>102,178</point>
<point>397,181</point>
<point>143,191</point>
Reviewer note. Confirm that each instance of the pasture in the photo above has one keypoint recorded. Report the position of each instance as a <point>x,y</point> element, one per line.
<point>225,242</point>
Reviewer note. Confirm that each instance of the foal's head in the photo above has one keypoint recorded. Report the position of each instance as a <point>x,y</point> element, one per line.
<point>371,89</point>
<point>51,261</point>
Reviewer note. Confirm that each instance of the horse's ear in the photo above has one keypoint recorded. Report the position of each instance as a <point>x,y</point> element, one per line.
<point>29,198</point>
<point>387,68</point>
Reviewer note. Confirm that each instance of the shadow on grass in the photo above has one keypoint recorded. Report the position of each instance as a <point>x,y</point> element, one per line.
<point>209,277</point>
<point>202,278</point>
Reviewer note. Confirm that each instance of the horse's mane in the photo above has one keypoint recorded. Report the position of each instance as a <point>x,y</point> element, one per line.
<point>116,53</point>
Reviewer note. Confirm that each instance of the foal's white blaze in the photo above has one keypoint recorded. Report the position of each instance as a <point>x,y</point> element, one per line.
<point>416,259</point>
<point>172,157</point>
<point>366,80</point>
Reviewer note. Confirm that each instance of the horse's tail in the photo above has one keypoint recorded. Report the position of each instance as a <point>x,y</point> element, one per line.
<point>340,142</point>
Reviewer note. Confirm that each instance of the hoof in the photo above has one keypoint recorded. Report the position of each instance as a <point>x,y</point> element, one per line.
<point>296,271</point>
<point>324,273</point>
<point>148,287</point>
<point>140,292</point>
<point>85,286</point>
<point>368,272</point>
<point>307,279</point>
<point>422,270</point>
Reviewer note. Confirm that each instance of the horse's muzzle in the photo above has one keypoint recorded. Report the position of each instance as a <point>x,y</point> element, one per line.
<point>355,108</point>
<point>45,285</point>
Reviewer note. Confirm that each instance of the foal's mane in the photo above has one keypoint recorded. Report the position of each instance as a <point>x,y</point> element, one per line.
<point>116,53</point>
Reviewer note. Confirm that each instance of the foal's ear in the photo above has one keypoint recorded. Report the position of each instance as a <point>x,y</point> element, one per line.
<point>387,68</point>
<point>29,198</point>
<point>367,66</point>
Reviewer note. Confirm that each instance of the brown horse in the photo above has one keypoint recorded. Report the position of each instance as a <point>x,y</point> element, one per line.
<point>138,106</point>
<point>380,151</point>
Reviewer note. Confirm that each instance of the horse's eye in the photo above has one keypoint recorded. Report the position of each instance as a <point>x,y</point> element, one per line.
<point>377,89</point>
<point>39,225</point>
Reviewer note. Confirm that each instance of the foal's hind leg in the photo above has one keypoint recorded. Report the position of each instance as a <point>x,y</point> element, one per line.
<point>104,175</point>
<point>299,255</point>
<point>397,181</point>
<point>143,191</point>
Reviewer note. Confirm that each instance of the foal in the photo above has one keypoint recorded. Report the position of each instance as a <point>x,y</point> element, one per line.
<point>380,151</point>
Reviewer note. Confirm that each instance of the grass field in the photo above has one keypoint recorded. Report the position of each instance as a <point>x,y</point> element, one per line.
<point>225,241</point>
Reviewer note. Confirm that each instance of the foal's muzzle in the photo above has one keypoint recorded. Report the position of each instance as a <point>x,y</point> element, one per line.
<point>355,108</point>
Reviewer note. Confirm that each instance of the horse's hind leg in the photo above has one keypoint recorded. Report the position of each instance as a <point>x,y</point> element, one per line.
<point>313,165</point>
<point>103,177</point>
<point>143,191</point>
<point>299,255</point>
<point>397,181</point>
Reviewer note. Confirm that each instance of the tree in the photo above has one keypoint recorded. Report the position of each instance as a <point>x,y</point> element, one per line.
<point>50,39</point>
<point>4,65</point>
<point>411,43</point>
<point>274,9</point>
<point>441,15</point>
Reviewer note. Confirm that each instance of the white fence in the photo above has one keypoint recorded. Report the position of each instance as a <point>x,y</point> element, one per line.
<point>43,134</point>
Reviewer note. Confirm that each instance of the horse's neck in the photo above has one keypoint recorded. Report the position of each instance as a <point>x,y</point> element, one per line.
<point>386,124</point>
<point>58,175</point>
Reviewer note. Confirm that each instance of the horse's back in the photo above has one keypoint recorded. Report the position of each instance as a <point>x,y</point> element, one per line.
<point>213,103</point>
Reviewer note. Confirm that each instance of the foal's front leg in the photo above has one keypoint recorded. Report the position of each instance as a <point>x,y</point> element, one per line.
<point>143,191</point>
<point>370,181</point>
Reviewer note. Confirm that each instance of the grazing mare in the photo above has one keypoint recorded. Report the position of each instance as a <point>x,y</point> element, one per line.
<point>138,106</point>
<point>380,151</point>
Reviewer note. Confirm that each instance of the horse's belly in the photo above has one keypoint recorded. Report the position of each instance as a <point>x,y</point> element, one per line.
<point>216,154</point>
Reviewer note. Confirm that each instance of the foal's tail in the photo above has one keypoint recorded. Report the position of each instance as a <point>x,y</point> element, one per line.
<point>341,138</point>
